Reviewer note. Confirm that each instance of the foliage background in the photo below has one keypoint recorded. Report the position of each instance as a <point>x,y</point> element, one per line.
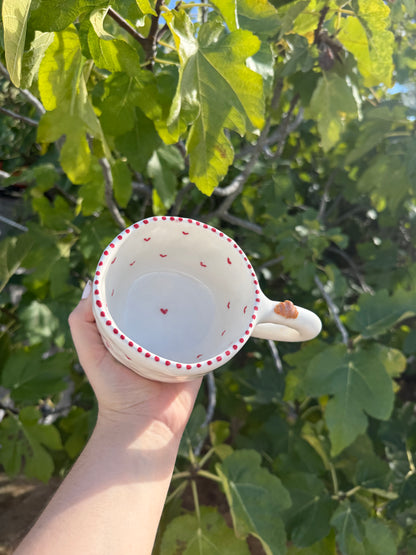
<point>289,125</point>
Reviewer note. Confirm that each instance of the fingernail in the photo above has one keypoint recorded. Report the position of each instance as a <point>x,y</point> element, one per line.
<point>87,290</point>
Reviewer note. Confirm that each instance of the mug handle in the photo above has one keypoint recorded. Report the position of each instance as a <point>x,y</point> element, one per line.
<point>283,321</point>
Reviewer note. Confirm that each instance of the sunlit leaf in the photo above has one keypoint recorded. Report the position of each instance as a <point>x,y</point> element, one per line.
<point>209,73</point>
<point>14,18</point>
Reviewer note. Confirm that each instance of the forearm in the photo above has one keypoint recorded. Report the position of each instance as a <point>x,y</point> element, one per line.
<point>112,499</point>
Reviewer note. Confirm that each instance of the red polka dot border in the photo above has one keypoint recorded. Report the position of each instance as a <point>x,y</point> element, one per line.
<point>105,317</point>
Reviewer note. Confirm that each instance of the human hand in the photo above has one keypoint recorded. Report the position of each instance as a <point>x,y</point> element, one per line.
<point>123,396</point>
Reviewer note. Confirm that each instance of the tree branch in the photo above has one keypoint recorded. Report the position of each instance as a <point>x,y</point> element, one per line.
<point>27,94</point>
<point>325,196</point>
<point>242,223</point>
<point>14,115</point>
<point>179,198</point>
<point>366,288</point>
<point>127,27</point>
<point>275,355</point>
<point>212,401</point>
<point>13,223</point>
<point>112,206</point>
<point>333,309</point>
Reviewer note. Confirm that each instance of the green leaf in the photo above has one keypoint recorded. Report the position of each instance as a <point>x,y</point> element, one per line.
<point>372,130</point>
<point>12,252</point>
<point>219,431</point>
<point>146,7</point>
<point>163,167</point>
<point>378,538</point>
<point>378,313</point>
<point>216,91</point>
<point>25,439</point>
<point>50,15</point>
<point>14,19</point>
<point>307,521</point>
<point>332,102</point>
<point>75,156</point>
<point>359,385</point>
<point>295,379</point>
<point>258,16</point>
<point>371,44</point>
<point>347,520</point>
<point>30,378</point>
<point>256,499</point>
<point>121,183</point>
<point>12,450</point>
<point>373,182</point>
<point>32,57</point>
<point>327,546</point>
<point>122,95</point>
<point>138,144</point>
<point>59,72</point>
<point>97,21</point>
<point>195,431</point>
<point>228,10</point>
<point>113,55</point>
<point>76,429</point>
<point>208,536</point>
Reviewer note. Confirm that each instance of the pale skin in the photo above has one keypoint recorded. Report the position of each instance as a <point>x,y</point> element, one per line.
<point>112,499</point>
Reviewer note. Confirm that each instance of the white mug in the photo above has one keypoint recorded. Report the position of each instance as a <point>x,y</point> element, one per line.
<point>175,298</point>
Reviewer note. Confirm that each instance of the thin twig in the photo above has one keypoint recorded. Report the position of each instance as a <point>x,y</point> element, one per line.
<point>14,115</point>
<point>284,128</point>
<point>325,196</point>
<point>333,309</point>
<point>12,223</point>
<point>366,288</point>
<point>269,263</point>
<point>127,27</point>
<point>179,199</point>
<point>242,223</point>
<point>275,355</point>
<point>24,92</point>
<point>112,206</point>
<point>212,401</point>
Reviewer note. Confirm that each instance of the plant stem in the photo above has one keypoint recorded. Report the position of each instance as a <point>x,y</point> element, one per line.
<point>167,62</point>
<point>180,489</point>
<point>206,457</point>
<point>178,475</point>
<point>209,475</point>
<point>334,479</point>
<point>196,500</point>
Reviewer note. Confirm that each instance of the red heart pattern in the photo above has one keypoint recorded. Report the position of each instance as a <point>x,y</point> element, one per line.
<point>164,311</point>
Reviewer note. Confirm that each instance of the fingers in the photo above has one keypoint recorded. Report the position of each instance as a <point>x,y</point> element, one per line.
<point>84,331</point>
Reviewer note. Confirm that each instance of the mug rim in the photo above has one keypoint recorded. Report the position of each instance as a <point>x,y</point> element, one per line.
<point>167,367</point>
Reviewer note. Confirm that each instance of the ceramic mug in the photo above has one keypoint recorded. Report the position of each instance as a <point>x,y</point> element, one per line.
<point>175,298</point>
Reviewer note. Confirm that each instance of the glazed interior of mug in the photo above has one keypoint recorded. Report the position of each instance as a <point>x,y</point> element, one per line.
<point>182,291</point>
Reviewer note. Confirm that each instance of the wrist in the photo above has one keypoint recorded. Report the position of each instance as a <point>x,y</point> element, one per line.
<point>139,431</point>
